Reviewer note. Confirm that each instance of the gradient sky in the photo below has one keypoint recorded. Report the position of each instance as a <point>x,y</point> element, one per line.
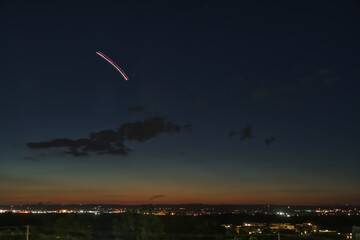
<point>289,69</point>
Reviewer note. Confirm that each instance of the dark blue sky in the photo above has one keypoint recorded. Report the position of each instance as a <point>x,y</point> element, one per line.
<point>286,69</point>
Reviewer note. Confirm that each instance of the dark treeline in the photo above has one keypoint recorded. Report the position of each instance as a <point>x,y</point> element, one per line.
<point>141,227</point>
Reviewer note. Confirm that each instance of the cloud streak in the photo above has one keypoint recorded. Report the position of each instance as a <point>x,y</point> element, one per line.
<point>157,196</point>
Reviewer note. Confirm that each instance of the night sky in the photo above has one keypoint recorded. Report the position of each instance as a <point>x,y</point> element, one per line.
<point>228,102</point>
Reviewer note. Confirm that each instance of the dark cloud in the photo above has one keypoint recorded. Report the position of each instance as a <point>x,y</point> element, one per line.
<point>231,134</point>
<point>246,133</point>
<point>260,93</point>
<point>136,109</point>
<point>29,158</point>
<point>157,196</point>
<point>269,140</point>
<point>112,141</point>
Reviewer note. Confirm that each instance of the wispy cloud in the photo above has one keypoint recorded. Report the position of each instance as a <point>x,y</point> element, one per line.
<point>157,196</point>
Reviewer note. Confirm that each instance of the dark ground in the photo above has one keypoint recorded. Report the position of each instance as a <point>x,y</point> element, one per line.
<point>133,226</point>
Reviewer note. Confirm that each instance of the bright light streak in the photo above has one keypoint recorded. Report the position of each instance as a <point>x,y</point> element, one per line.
<point>112,63</point>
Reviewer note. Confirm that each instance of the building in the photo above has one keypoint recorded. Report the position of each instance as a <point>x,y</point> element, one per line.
<point>356,233</point>
<point>306,228</point>
<point>282,226</point>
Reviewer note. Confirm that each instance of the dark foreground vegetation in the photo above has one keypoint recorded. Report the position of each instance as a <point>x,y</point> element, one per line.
<point>141,227</point>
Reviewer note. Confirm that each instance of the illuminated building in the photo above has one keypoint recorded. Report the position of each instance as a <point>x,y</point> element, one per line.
<point>282,226</point>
